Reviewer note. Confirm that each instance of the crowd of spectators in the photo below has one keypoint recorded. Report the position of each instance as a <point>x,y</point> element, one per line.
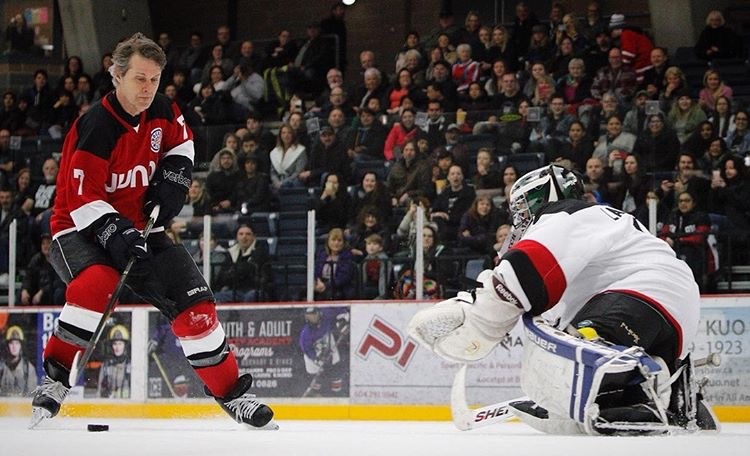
<point>578,89</point>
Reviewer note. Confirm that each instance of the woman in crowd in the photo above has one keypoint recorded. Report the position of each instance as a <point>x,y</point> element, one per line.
<point>675,84</point>
<point>722,117</point>
<point>371,192</point>
<point>540,86</point>
<point>575,86</point>
<point>615,145</point>
<point>478,225</point>
<point>501,50</point>
<point>700,139</point>
<point>288,159</point>
<point>631,187</point>
<point>685,116</point>
<point>334,269</point>
<point>718,40</point>
<point>713,88</point>
<point>465,70</point>
<point>576,150</point>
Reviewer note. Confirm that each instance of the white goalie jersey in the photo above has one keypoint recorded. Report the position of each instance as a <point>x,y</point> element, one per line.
<point>574,251</point>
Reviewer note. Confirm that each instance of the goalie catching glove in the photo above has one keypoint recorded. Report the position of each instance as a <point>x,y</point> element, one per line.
<point>168,188</point>
<point>466,328</point>
<point>120,239</point>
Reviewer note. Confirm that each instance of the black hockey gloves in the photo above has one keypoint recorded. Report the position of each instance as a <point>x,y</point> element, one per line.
<point>118,237</point>
<point>168,188</point>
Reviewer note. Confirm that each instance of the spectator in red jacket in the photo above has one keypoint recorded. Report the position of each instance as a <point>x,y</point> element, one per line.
<point>635,45</point>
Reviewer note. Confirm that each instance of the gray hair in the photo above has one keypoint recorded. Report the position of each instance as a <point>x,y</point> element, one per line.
<point>463,47</point>
<point>137,44</point>
<point>577,62</point>
<point>373,72</point>
<point>413,53</point>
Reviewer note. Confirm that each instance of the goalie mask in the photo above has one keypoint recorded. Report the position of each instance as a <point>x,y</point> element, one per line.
<point>533,189</point>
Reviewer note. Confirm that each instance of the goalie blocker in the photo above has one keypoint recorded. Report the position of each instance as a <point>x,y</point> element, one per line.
<point>583,386</point>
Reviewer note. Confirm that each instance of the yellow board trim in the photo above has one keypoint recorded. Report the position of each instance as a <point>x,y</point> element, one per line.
<point>727,414</point>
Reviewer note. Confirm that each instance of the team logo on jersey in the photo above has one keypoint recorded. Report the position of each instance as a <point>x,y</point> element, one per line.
<point>155,140</point>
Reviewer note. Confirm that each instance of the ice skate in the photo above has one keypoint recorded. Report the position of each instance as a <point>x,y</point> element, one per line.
<point>49,396</point>
<point>243,408</point>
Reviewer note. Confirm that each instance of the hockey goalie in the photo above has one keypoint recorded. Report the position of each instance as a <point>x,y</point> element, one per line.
<point>608,310</point>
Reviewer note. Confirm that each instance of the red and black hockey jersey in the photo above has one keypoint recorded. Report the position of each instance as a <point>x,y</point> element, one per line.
<point>109,157</point>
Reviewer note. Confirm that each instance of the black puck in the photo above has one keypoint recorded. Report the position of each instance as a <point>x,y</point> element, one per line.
<point>98,427</point>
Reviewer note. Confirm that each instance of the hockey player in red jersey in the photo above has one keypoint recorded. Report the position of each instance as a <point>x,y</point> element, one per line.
<point>127,154</point>
<point>597,273</point>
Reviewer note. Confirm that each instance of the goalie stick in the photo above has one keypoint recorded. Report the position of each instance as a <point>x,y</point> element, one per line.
<point>466,418</point>
<point>82,358</point>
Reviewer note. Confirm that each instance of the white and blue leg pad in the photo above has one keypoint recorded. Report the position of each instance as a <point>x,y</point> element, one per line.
<point>565,374</point>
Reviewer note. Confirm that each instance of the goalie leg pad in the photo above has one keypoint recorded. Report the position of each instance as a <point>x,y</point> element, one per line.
<point>566,375</point>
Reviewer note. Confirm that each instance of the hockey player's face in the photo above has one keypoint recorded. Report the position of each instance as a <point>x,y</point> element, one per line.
<point>138,85</point>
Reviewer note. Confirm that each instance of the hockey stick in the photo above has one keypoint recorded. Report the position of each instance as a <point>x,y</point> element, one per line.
<point>466,418</point>
<point>321,370</point>
<point>163,373</point>
<point>82,358</point>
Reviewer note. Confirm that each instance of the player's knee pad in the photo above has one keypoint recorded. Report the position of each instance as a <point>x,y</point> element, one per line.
<point>86,297</point>
<point>201,335</point>
<point>568,376</point>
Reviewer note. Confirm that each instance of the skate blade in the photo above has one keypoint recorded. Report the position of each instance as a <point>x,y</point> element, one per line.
<point>270,426</point>
<point>38,414</point>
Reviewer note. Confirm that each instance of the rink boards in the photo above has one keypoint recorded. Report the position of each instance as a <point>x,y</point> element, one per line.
<point>384,374</point>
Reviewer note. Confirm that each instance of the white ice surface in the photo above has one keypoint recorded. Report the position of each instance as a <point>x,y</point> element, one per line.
<point>68,436</point>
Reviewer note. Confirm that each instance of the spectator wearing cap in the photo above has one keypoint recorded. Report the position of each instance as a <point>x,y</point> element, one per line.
<point>635,45</point>
<point>443,82</point>
<point>251,192</point>
<point>635,119</point>
<point>459,151</point>
<point>327,156</point>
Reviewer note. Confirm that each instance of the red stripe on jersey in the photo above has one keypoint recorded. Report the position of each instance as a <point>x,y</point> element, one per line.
<point>549,270</point>
<point>659,308</point>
